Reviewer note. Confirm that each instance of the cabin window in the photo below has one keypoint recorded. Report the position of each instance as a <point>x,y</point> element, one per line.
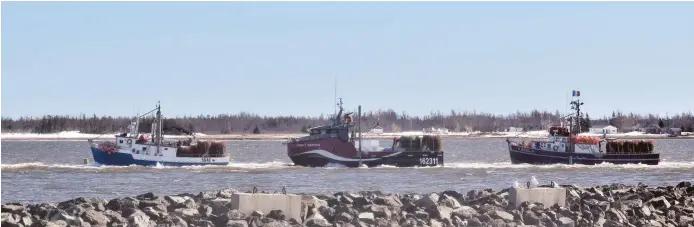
<point>144,149</point>
<point>121,141</point>
<point>562,145</point>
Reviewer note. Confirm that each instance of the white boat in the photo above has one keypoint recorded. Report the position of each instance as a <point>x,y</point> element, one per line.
<point>134,148</point>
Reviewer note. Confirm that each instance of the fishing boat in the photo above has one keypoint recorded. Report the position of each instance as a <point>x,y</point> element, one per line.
<point>341,143</point>
<point>135,148</point>
<point>564,146</point>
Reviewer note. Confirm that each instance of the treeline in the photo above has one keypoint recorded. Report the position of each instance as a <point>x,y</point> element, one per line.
<point>390,120</point>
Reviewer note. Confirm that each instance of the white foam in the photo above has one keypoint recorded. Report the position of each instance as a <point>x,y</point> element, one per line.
<point>96,166</point>
<point>249,166</point>
<point>509,165</point>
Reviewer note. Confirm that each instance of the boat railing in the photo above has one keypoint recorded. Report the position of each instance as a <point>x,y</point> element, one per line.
<point>314,137</point>
<point>201,155</point>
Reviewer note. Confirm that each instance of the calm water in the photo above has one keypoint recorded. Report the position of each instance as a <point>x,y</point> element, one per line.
<point>52,171</point>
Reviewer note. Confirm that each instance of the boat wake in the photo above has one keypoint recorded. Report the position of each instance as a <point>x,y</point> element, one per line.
<point>233,167</point>
<point>277,165</point>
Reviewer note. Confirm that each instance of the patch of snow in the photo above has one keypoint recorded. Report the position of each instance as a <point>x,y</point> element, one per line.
<point>70,135</point>
<point>65,134</point>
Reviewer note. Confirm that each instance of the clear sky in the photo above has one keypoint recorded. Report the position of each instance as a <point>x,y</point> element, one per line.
<point>110,58</point>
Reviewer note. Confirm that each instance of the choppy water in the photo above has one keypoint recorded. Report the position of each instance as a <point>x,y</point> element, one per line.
<point>51,171</point>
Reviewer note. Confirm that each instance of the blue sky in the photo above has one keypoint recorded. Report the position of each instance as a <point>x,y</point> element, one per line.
<point>109,58</point>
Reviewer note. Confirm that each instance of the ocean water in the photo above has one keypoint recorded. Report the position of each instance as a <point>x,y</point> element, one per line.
<point>53,171</point>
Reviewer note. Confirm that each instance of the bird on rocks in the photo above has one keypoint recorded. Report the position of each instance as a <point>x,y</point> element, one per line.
<point>554,184</point>
<point>533,181</point>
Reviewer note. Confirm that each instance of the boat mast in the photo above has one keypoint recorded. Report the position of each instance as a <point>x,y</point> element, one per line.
<point>158,135</point>
<point>137,123</point>
<point>336,121</point>
<point>575,105</point>
<point>335,97</point>
<point>359,128</point>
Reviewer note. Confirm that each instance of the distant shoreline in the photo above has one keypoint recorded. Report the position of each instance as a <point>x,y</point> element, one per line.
<point>285,136</point>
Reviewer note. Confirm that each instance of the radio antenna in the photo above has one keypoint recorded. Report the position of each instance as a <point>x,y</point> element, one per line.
<point>335,99</point>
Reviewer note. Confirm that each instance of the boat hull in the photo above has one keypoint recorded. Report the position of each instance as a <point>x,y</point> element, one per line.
<point>127,159</point>
<point>324,152</point>
<point>321,158</point>
<point>523,155</point>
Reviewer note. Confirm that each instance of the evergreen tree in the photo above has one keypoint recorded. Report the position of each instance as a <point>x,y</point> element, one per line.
<point>585,124</point>
<point>612,119</point>
<point>660,123</point>
<point>256,130</point>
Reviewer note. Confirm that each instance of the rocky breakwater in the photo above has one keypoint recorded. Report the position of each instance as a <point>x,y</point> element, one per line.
<point>610,205</point>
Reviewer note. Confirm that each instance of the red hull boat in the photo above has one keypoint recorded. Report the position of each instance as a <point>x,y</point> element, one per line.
<point>339,144</point>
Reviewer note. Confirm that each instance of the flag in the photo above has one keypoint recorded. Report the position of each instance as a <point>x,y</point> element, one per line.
<point>575,93</point>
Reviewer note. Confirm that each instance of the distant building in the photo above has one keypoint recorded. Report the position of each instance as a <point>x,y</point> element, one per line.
<point>635,128</point>
<point>651,129</point>
<point>609,129</point>
<point>376,130</point>
<point>673,131</point>
<point>603,129</point>
<point>515,129</point>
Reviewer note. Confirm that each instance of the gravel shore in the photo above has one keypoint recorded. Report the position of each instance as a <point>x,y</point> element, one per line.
<point>609,205</point>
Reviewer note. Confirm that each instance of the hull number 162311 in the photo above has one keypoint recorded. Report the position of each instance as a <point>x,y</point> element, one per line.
<point>428,161</point>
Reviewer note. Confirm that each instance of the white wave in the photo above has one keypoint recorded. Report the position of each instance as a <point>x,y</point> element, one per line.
<point>96,166</point>
<point>333,165</point>
<point>259,165</point>
<point>246,166</point>
<point>508,165</point>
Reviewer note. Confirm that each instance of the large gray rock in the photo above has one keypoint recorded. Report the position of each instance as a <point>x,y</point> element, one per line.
<point>503,215</point>
<point>227,193</point>
<point>566,222</point>
<point>95,218</point>
<point>465,212</point>
<point>139,219</point>
<point>388,200</point>
<point>430,200</point>
<point>449,201</point>
<point>220,205</point>
<point>614,205</point>
<point>186,213</point>
<point>236,223</point>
